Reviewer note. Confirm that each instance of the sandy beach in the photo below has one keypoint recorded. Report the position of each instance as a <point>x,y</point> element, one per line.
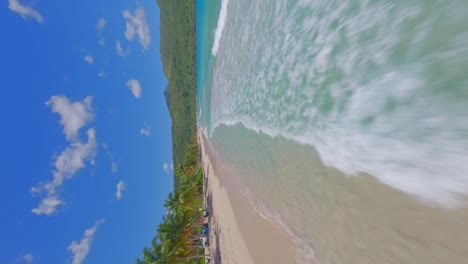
<point>238,233</point>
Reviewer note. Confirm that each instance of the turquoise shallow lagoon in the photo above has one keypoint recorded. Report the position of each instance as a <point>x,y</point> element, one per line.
<point>345,122</point>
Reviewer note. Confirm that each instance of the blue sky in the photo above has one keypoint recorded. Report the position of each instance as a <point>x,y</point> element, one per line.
<point>87,145</point>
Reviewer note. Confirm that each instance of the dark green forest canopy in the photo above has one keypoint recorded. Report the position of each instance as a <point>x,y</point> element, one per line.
<point>178,51</point>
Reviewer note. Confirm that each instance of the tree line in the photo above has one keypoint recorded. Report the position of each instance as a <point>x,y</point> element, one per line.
<point>178,236</point>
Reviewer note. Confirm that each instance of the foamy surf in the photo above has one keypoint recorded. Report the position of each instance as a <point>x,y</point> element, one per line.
<point>220,27</point>
<point>304,93</point>
<point>357,84</point>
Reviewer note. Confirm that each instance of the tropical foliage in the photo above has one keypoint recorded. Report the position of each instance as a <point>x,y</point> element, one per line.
<point>178,51</point>
<point>178,238</point>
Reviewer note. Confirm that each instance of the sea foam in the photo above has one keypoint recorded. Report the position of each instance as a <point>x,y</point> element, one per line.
<point>358,85</point>
<point>220,27</point>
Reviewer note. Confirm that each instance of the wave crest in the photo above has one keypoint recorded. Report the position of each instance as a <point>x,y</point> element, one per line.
<point>220,27</point>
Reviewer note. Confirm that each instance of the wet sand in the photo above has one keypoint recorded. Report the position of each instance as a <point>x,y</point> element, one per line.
<point>346,219</point>
<point>238,233</point>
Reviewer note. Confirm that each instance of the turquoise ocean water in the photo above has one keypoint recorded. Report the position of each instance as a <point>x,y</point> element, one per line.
<point>207,19</point>
<point>346,121</point>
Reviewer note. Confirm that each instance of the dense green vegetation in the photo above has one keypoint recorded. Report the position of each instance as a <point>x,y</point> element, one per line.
<point>178,51</point>
<point>178,236</point>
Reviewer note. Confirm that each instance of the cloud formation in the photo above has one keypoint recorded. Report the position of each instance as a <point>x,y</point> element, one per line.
<point>48,205</point>
<point>89,59</point>
<point>101,41</point>
<point>101,74</point>
<point>119,49</point>
<point>135,87</point>
<point>121,186</point>
<point>26,258</point>
<point>72,158</point>
<point>136,25</point>
<point>114,164</point>
<point>101,24</point>
<point>114,167</point>
<point>67,164</point>
<point>146,130</point>
<point>80,250</point>
<point>73,115</point>
<point>25,11</point>
<point>167,167</point>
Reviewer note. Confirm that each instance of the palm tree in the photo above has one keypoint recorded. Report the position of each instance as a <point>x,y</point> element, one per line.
<point>177,240</point>
<point>173,203</point>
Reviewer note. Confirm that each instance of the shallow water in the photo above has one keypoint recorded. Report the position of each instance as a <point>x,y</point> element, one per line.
<point>343,219</point>
<point>346,121</point>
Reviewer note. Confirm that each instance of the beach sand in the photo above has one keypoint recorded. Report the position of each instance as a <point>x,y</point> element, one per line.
<point>238,233</point>
<point>347,219</point>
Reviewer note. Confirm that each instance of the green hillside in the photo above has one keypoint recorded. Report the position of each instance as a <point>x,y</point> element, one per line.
<point>178,53</point>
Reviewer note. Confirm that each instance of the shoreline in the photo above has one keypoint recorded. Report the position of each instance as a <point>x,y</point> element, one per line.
<point>239,234</point>
<point>354,219</point>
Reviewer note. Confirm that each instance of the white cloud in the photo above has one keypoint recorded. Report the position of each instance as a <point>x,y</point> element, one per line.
<point>73,115</point>
<point>101,41</point>
<point>121,186</point>
<point>101,24</point>
<point>26,258</point>
<point>167,167</point>
<point>136,25</point>
<point>73,158</point>
<point>119,49</point>
<point>80,250</point>
<point>89,59</point>
<point>114,167</point>
<point>146,130</point>
<point>135,87</point>
<point>67,164</point>
<point>25,11</point>
<point>114,164</point>
<point>48,205</point>
<point>101,74</point>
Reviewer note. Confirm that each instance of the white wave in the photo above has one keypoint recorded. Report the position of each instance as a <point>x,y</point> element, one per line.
<point>370,95</point>
<point>220,27</point>
<point>434,172</point>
